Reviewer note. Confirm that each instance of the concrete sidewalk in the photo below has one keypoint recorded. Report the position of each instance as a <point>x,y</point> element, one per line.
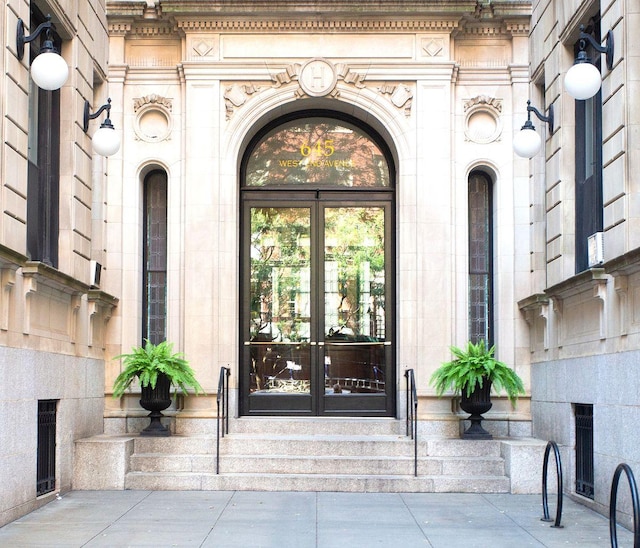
<point>300,520</point>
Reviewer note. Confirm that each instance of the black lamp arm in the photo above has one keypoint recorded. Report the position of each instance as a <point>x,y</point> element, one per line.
<point>21,39</point>
<point>88,116</point>
<point>607,49</point>
<point>548,119</point>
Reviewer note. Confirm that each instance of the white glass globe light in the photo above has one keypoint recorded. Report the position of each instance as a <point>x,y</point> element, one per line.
<point>106,141</point>
<point>49,71</point>
<point>527,143</point>
<point>582,81</point>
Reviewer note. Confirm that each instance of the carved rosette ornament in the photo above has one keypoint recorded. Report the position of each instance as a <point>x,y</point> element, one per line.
<point>153,118</point>
<point>319,77</point>
<point>483,122</point>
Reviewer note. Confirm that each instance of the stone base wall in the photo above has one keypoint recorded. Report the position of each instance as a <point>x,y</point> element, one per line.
<point>609,382</point>
<point>27,376</point>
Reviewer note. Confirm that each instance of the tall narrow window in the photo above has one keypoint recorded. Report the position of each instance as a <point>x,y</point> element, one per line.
<point>480,259</point>
<point>46,451</point>
<point>155,257</point>
<point>44,163</point>
<point>588,162</point>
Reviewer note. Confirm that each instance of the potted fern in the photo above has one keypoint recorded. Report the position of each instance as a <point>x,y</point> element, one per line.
<point>157,368</point>
<point>473,373</point>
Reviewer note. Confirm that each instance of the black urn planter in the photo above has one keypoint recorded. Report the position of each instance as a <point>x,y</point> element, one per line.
<point>156,400</point>
<point>477,403</point>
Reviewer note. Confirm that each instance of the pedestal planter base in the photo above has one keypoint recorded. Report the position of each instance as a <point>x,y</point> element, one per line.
<point>478,402</point>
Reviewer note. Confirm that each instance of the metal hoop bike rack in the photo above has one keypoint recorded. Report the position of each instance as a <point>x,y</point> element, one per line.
<point>613,501</point>
<point>545,503</point>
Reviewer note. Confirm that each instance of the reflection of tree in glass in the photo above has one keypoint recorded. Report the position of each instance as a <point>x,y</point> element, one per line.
<point>354,242</point>
<point>317,151</point>
<point>279,261</point>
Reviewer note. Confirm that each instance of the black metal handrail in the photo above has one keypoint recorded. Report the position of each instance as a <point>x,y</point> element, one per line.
<point>614,500</point>
<point>545,504</point>
<point>222,419</point>
<point>412,415</point>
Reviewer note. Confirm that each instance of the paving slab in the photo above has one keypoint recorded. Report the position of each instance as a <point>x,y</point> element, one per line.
<point>266,519</point>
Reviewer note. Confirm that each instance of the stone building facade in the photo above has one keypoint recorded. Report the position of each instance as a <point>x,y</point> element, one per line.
<point>583,311</point>
<point>196,87</point>
<point>54,315</point>
<point>319,196</point>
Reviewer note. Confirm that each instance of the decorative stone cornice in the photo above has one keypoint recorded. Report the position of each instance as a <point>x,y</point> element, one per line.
<point>518,28</point>
<point>119,28</point>
<point>624,265</point>
<point>307,25</point>
<point>580,283</point>
<point>46,275</point>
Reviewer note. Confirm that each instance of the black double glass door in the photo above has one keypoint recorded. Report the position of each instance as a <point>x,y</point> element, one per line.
<point>316,308</point>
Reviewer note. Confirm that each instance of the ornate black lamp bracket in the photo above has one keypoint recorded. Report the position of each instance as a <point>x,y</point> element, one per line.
<point>21,39</point>
<point>88,116</point>
<point>607,49</point>
<point>548,119</point>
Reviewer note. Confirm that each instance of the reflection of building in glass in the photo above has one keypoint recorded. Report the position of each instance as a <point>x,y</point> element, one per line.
<point>317,152</point>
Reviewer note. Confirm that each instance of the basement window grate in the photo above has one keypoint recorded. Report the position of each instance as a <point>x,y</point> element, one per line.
<point>584,450</point>
<point>46,464</point>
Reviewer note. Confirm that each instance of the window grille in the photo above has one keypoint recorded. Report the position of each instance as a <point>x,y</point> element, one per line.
<point>155,257</point>
<point>584,450</point>
<point>480,259</point>
<point>46,451</point>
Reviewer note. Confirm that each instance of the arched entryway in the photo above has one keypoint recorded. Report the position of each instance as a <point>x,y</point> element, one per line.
<point>317,275</point>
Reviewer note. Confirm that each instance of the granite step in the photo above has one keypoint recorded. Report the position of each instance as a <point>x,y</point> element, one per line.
<point>319,464</point>
<point>315,482</point>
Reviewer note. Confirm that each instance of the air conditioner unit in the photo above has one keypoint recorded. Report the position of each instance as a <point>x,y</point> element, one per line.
<point>595,244</point>
<point>95,270</point>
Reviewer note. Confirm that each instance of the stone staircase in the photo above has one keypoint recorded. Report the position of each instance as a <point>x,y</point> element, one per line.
<point>303,454</point>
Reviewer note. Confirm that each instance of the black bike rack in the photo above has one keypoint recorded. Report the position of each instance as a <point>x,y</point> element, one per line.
<point>545,503</point>
<point>613,501</point>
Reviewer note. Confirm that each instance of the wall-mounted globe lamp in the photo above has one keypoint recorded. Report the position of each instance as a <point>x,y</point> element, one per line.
<point>527,142</point>
<point>106,140</point>
<point>48,70</point>
<point>583,79</point>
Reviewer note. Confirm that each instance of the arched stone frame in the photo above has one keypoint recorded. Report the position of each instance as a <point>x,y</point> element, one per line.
<point>132,226</point>
<point>397,131</point>
<point>509,324</point>
<point>460,244</point>
<point>175,239</point>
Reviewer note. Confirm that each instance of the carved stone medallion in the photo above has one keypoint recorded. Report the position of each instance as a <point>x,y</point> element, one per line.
<point>318,77</point>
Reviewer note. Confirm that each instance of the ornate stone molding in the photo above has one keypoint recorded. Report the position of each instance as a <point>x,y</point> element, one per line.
<point>483,101</point>
<point>119,28</point>
<point>319,78</point>
<point>153,121</point>
<point>400,95</point>
<point>237,95</point>
<point>536,307</point>
<point>101,306</point>
<point>433,47</point>
<point>306,25</point>
<point>152,99</point>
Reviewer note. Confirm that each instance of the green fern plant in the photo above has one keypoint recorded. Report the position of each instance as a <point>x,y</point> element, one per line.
<point>472,367</point>
<point>146,362</point>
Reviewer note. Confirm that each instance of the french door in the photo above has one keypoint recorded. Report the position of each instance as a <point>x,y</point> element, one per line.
<point>317,303</point>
